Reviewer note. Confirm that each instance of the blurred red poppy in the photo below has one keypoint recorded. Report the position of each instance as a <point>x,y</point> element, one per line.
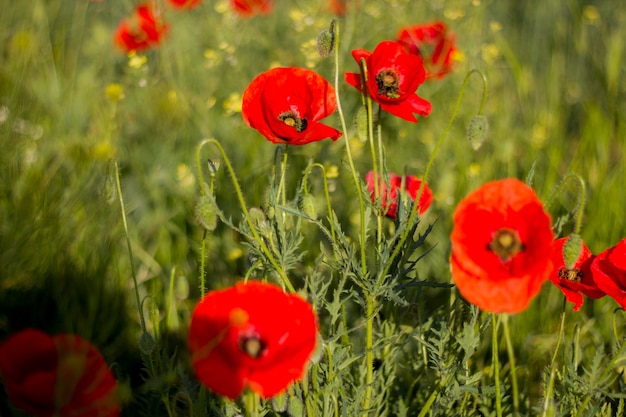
<point>248,8</point>
<point>501,246</point>
<point>252,336</point>
<point>59,376</point>
<point>577,281</point>
<point>144,30</point>
<point>185,4</point>
<point>286,104</point>
<point>338,7</point>
<point>389,197</point>
<point>609,272</point>
<point>393,78</point>
<point>433,43</point>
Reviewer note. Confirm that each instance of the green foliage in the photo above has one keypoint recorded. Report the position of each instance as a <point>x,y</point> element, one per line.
<point>70,104</point>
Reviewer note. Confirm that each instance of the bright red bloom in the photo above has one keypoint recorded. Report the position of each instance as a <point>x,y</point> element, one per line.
<point>58,376</point>
<point>143,31</point>
<point>253,336</point>
<point>393,78</point>
<point>609,272</point>
<point>248,8</point>
<point>286,104</point>
<point>185,4</point>
<point>433,43</point>
<point>577,281</point>
<point>389,197</point>
<point>501,246</point>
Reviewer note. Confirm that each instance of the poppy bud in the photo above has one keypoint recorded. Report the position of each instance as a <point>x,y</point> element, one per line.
<point>308,206</point>
<point>477,131</point>
<point>571,250</point>
<point>206,212</point>
<point>146,343</point>
<point>214,166</point>
<point>326,41</point>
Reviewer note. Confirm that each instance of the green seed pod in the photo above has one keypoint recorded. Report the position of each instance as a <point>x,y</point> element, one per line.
<point>308,206</point>
<point>206,212</point>
<point>571,250</point>
<point>146,343</point>
<point>477,131</point>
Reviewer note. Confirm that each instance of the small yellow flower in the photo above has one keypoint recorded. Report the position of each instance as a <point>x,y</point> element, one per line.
<point>114,92</point>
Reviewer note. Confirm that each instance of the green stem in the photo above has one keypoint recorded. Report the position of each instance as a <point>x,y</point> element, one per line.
<point>547,401</point>
<point>405,234</point>
<point>251,403</point>
<point>369,352</point>
<point>429,402</point>
<point>284,279</point>
<point>305,179</point>
<point>355,176</point>
<point>130,249</point>
<point>511,353</point>
<point>582,195</point>
<point>496,364</point>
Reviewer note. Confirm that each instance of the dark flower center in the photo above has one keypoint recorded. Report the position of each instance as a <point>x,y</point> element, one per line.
<point>252,346</point>
<point>505,244</point>
<point>291,119</point>
<point>388,83</point>
<point>573,275</point>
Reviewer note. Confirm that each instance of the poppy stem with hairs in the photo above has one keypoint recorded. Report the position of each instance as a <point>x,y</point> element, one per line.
<point>496,364</point>
<point>305,187</point>
<point>355,176</point>
<point>280,271</point>
<point>547,397</point>
<point>251,403</point>
<point>511,353</point>
<point>582,195</point>
<point>405,234</point>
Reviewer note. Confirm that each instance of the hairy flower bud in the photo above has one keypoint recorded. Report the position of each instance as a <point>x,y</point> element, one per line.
<point>206,212</point>
<point>146,343</point>
<point>308,206</point>
<point>477,131</point>
<point>326,41</point>
<point>571,250</point>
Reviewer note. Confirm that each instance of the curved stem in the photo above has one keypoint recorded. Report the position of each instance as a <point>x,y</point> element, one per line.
<point>582,195</point>
<point>431,160</point>
<point>142,320</point>
<point>284,279</point>
<point>496,364</point>
<point>355,176</point>
<point>305,178</point>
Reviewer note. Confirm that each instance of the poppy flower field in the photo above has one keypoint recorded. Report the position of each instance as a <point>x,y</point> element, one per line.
<point>322,208</point>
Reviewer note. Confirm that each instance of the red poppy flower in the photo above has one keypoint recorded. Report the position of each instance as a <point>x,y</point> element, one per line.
<point>609,272</point>
<point>286,104</point>
<point>577,281</point>
<point>248,8</point>
<point>433,43</point>
<point>501,246</point>
<point>143,31</point>
<point>253,336</point>
<point>185,4</point>
<point>338,7</point>
<point>389,198</point>
<point>394,76</point>
<point>59,376</point>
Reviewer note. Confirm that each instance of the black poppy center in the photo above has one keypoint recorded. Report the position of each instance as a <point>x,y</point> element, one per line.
<point>388,83</point>
<point>505,244</point>
<point>252,346</point>
<point>292,119</point>
<point>573,275</point>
